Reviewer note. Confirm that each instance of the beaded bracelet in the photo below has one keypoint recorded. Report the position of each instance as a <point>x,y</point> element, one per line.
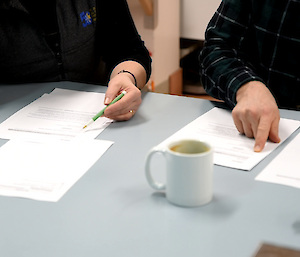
<point>126,71</point>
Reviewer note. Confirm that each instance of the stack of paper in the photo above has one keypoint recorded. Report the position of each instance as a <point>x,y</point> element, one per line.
<point>48,149</point>
<point>284,169</point>
<point>45,171</point>
<point>60,116</point>
<point>231,149</point>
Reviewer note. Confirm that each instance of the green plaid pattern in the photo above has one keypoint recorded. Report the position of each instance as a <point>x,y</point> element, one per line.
<point>253,40</point>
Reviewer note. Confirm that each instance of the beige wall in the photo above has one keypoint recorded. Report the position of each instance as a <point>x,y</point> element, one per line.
<point>161,32</point>
<point>195,15</point>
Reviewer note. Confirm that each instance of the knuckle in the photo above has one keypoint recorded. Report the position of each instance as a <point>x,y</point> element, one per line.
<point>245,113</point>
<point>252,114</point>
<point>234,113</point>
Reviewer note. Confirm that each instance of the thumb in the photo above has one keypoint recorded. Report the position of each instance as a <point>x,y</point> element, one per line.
<point>110,94</point>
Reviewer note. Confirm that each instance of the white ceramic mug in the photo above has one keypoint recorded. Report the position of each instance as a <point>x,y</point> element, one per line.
<point>189,164</point>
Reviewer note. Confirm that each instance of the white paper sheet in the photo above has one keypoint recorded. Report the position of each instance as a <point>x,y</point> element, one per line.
<point>60,115</point>
<point>231,149</point>
<point>285,168</point>
<point>45,171</point>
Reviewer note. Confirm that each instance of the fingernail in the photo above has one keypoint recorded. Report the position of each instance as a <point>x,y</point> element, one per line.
<point>257,148</point>
<point>107,100</point>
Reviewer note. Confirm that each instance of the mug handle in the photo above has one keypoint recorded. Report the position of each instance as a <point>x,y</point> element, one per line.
<point>154,184</point>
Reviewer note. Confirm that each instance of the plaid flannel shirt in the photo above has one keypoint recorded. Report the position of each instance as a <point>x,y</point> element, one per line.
<point>250,40</point>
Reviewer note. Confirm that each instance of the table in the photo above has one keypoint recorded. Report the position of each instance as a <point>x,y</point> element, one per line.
<point>111,211</point>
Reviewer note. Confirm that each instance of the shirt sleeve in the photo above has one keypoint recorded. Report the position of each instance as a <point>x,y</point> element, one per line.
<point>226,61</point>
<point>118,37</point>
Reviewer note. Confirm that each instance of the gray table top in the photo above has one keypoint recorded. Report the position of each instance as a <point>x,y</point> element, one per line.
<point>111,210</point>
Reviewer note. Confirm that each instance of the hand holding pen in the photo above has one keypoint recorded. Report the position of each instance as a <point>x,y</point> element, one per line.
<point>99,114</point>
<point>125,108</point>
<point>131,77</point>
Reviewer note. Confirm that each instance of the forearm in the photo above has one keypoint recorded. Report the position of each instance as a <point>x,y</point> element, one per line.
<point>133,67</point>
<point>226,57</point>
<point>223,73</point>
<point>121,46</point>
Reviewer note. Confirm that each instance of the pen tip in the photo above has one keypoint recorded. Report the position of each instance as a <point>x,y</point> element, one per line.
<point>85,126</point>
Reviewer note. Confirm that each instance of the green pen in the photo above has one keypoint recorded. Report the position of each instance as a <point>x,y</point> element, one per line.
<point>99,114</point>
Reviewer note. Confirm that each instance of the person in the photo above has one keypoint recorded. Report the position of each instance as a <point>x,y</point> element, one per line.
<point>89,41</point>
<point>251,60</point>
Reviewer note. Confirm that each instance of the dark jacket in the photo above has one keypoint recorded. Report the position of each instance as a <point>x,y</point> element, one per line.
<point>250,40</point>
<point>93,37</point>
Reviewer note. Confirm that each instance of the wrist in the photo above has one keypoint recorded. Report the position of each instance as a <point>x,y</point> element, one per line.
<point>249,88</point>
<point>131,74</point>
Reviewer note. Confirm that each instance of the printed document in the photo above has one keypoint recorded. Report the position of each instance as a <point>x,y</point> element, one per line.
<point>231,149</point>
<point>59,115</point>
<point>46,171</point>
<point>48,149</point>
<point>284,169</point>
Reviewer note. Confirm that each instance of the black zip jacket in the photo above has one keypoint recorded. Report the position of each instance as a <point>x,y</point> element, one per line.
<point>87,39</point>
